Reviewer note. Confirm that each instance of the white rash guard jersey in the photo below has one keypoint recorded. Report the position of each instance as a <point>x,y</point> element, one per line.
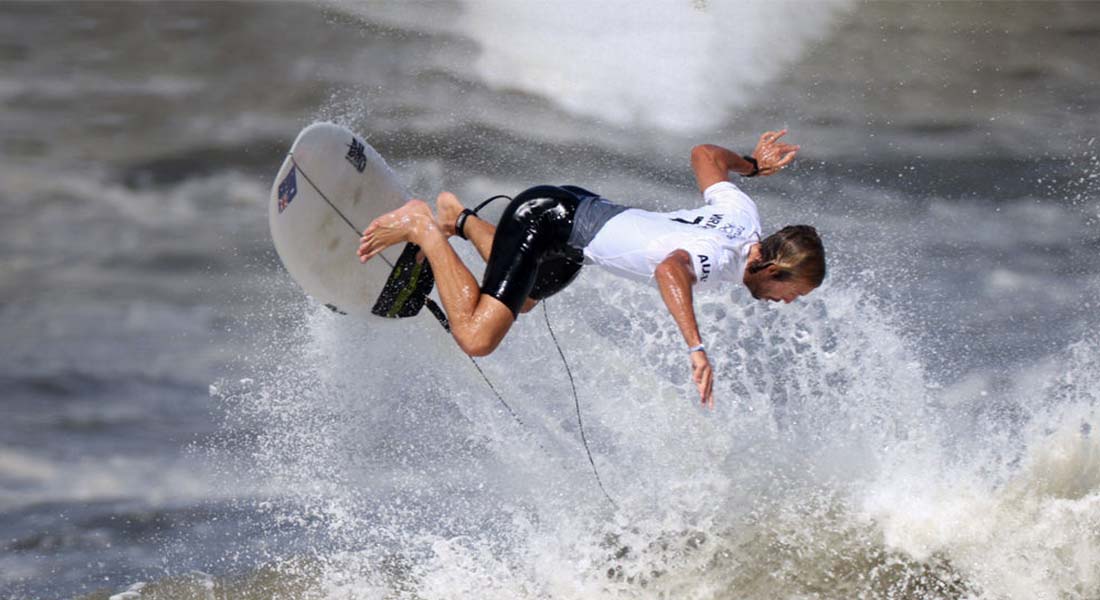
<point>718,237</point>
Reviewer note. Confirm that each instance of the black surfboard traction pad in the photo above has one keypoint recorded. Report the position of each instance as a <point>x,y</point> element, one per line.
<point>407,287</point>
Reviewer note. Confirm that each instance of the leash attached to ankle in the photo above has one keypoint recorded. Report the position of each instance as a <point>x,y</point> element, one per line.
<point>460,223</point>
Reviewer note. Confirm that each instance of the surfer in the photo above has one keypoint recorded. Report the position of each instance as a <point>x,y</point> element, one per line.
<point>547,232</point>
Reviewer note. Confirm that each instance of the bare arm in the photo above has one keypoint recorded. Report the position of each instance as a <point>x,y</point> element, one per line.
<point>675,278</point>
<point>713,164</point>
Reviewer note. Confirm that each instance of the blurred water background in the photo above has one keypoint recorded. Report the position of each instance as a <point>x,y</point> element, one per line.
<point>178,420</point>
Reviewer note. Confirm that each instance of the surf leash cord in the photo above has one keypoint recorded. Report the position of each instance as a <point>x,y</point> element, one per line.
<point>434,308</point>
<point>577,405</point>
<point>441,317</point>
<point>460,223</point>
<point>569,372</point>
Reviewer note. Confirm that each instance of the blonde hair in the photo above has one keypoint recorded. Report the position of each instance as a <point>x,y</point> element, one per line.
<point>796,251</point>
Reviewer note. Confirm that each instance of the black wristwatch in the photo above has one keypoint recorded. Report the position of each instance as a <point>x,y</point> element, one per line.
<point>755,167</point>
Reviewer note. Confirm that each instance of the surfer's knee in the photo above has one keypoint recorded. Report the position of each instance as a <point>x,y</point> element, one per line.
<point>476,346</point>
<point>478,333</point>
<point>472,341</point>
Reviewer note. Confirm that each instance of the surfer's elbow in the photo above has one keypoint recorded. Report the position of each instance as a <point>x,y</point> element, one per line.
<point>701,152</point>
<point>675,268</point>
<point>706,154</point>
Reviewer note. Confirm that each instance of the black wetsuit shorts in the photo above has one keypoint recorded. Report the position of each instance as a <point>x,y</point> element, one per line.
<point>531,255</point>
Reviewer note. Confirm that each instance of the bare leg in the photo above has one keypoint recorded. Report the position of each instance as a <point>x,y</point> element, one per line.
<point>478,231</point>
<point>478,321</point>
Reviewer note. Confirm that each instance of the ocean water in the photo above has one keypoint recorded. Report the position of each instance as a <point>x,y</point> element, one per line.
<point>180,421</point>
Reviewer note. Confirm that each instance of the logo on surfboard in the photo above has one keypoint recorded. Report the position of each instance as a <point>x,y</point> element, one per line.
<point>356,155</point>
<point>288,189</point>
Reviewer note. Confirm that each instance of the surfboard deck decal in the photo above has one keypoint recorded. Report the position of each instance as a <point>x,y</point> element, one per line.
<point>288,189</point>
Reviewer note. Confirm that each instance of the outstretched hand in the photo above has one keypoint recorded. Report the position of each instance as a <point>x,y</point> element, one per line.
<point>772,155</point>
<point>703,377</point>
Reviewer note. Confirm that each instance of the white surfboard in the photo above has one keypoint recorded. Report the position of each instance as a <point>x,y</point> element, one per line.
<point>330,187</point>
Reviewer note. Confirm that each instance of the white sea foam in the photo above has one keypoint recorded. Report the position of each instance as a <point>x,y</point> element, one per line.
<point>1018,512</point>
<point>830,463</point>
<point>675,65</point>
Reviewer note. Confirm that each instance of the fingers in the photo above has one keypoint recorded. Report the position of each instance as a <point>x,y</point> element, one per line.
<point>787,158</point>
<point>773,155</point>
<point>704,381</point>
<point>708,390</point>
<point>772,136</point>
<point>769,142</point>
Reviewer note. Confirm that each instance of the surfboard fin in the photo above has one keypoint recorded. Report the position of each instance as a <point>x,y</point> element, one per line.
<point>407,288</point>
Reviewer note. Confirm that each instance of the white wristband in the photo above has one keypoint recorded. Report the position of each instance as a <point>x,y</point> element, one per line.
<point>698,348</point>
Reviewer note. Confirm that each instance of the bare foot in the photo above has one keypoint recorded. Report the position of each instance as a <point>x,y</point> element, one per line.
<point>394,227</point>
<point>447,209</point>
